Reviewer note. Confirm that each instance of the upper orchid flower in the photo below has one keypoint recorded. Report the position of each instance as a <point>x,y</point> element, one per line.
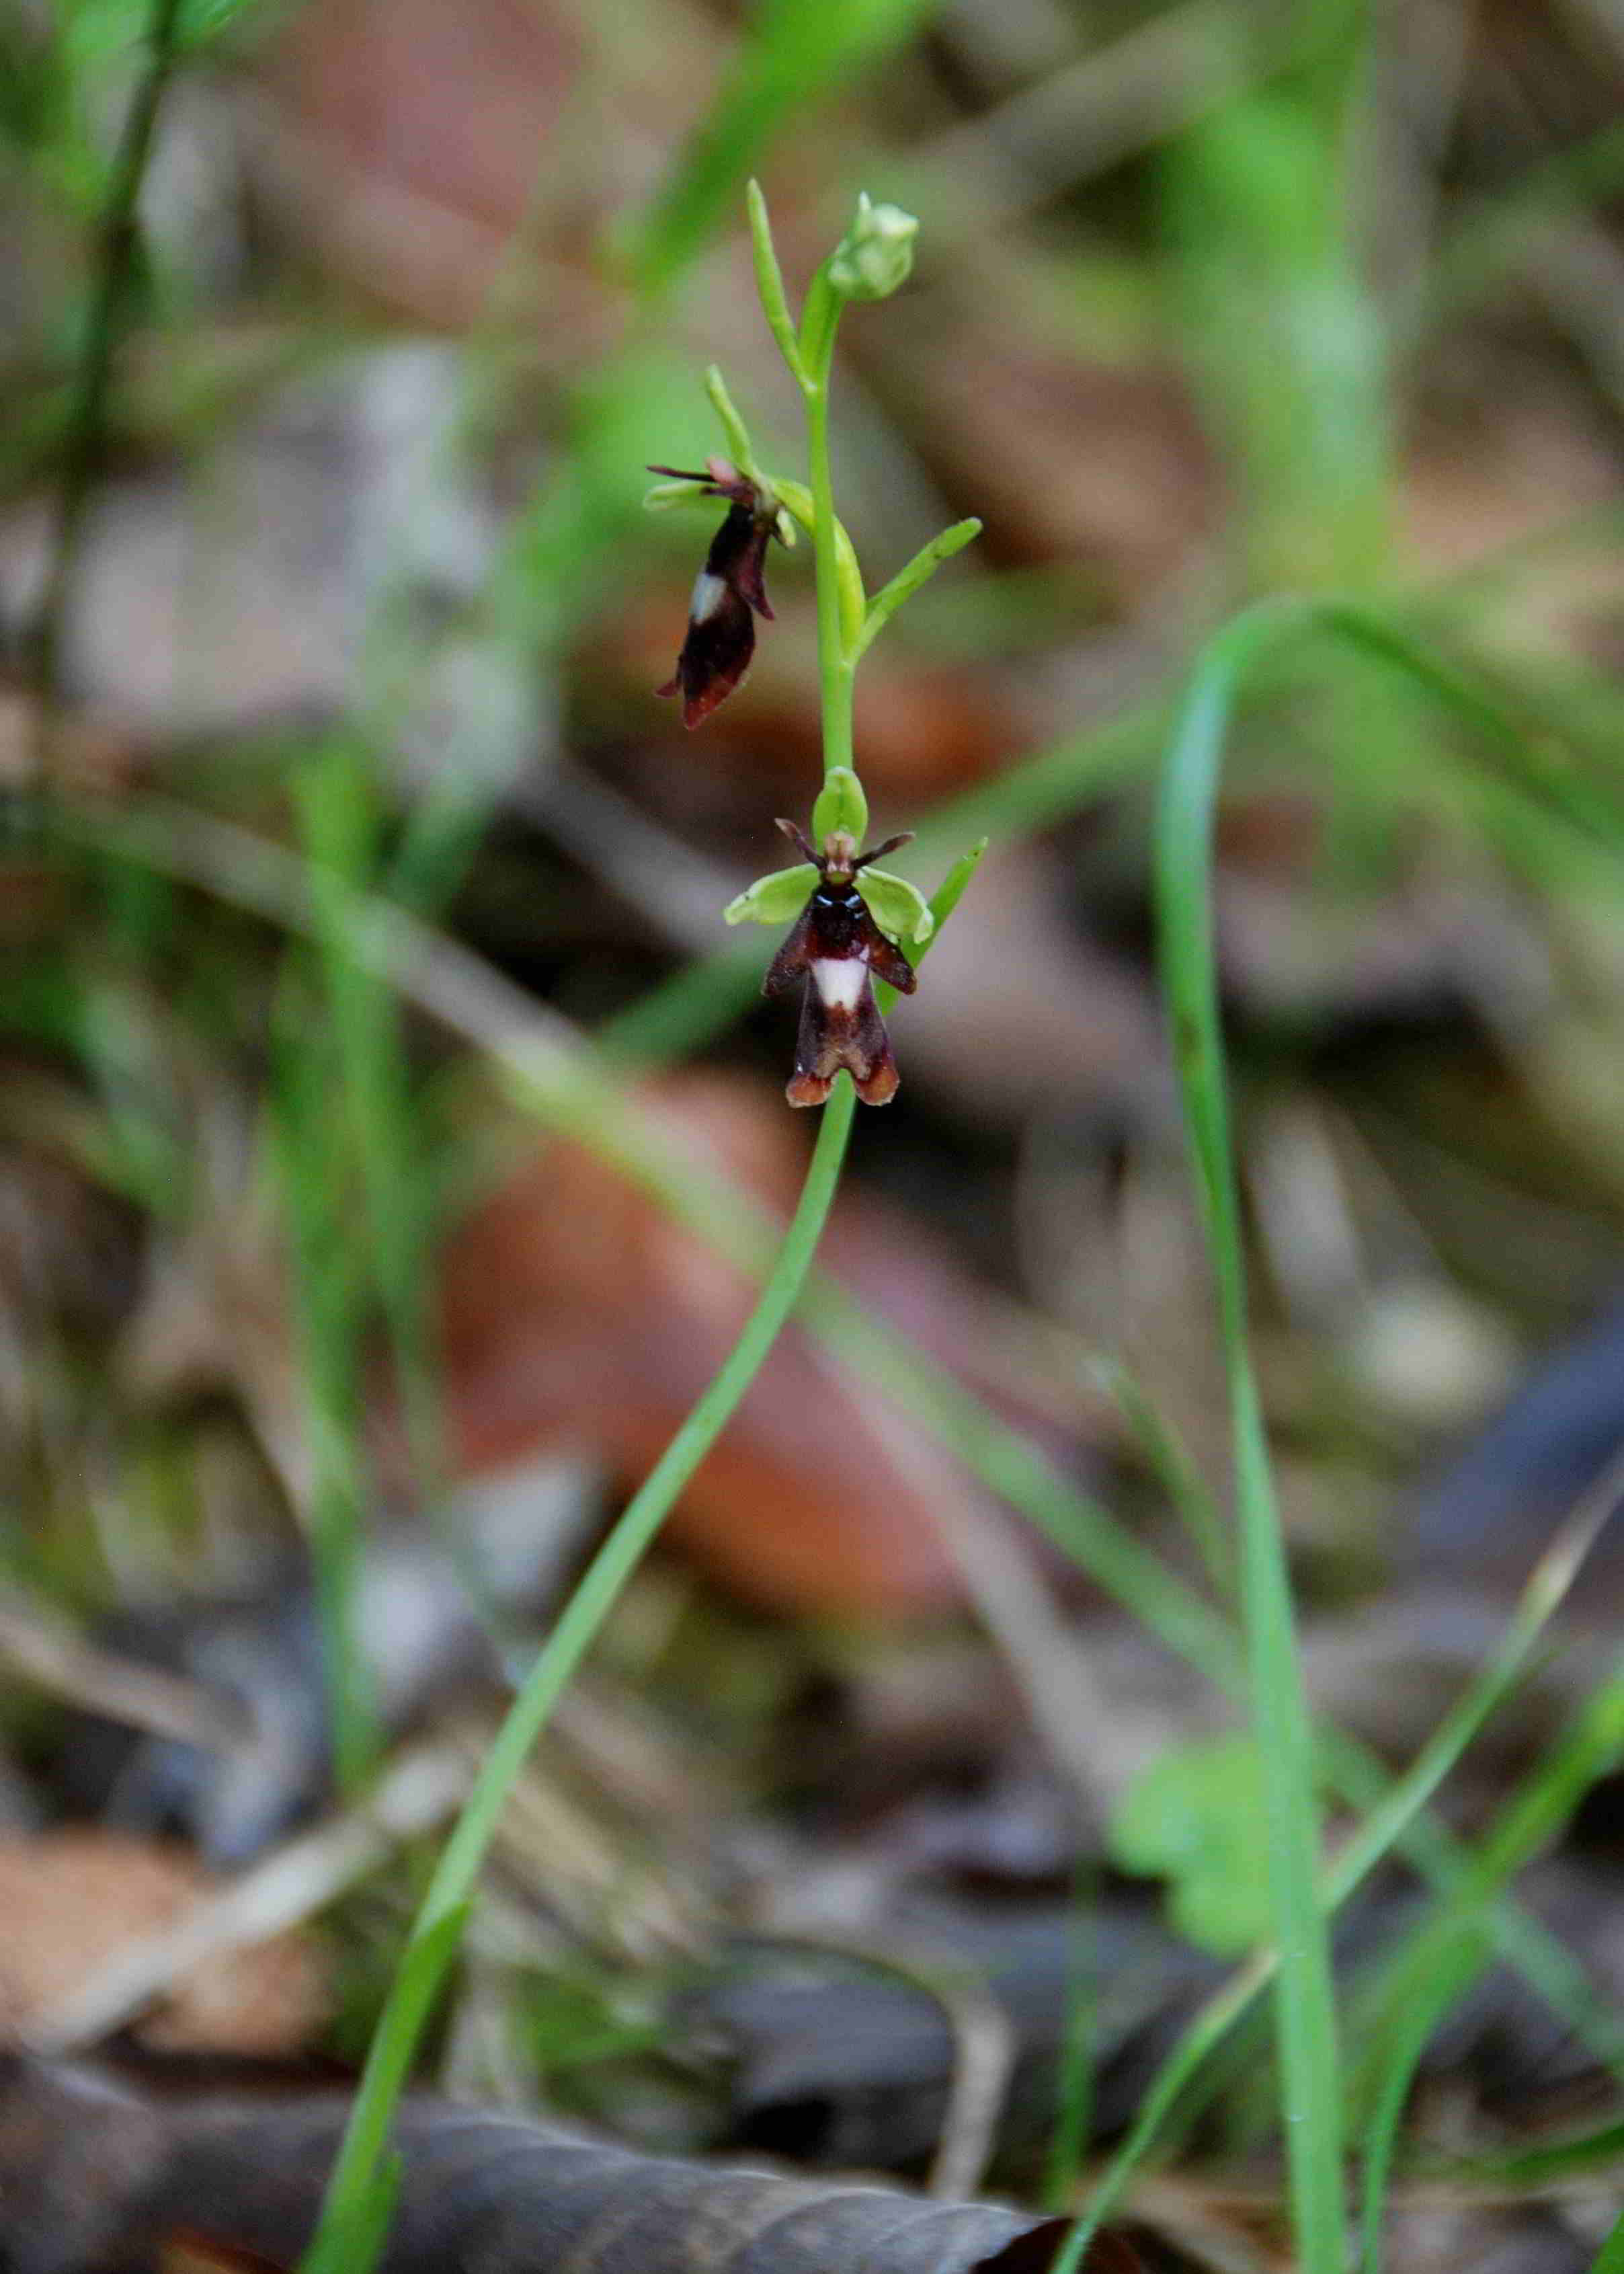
<point>721,634</point>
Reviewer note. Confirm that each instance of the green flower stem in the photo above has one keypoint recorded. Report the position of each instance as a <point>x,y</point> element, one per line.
<point>106,321</point>
<point>836,664</point>
<point>434,1934</point>
<point>796,499</point>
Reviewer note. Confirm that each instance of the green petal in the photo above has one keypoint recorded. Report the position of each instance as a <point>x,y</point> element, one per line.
<point>896,906</point>
<point>773,899</point>
<point>840,805</point>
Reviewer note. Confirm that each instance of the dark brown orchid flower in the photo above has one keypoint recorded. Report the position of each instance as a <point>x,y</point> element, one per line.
<point>721,634</point>
<point>836,946</point>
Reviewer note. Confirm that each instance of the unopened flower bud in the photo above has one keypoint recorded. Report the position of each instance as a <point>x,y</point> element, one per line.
<point>875,254</point>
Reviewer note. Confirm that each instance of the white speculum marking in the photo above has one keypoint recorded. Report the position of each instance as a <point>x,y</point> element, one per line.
<point>708,590</point>
<point>839,980</point>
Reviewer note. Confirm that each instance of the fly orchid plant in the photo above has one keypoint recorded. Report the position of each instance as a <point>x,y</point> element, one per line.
<point>853,922</point>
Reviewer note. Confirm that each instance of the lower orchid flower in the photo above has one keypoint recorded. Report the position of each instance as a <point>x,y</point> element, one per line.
<point>838,947</point>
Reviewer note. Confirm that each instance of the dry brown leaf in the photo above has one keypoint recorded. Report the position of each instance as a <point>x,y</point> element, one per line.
<point>488,2195</point>
<point>73,1900</point>
<point>575,1310</point>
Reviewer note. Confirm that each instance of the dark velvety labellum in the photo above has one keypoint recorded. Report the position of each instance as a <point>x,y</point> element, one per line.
<point>837,948</point>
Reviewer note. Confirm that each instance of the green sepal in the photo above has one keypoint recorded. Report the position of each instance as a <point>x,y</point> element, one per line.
<point>899,908</point>
<point>840,805</point>
<point>661,496</point>
<point>773,899</point>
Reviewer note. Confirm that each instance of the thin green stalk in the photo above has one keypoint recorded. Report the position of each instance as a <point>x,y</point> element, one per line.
<point>1174,1469</point>
<point>433,1936</point>
<point>836,665</point>
<point>367,1145</point>
<point>1074,2089</point>
<point>314,1174</point>
<point>1589,1747</point>
<point>1459,1967</point>
<point>87,420</point>
<point>1306,2015</point>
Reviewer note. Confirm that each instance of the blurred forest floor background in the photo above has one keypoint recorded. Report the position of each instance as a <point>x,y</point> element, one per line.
<point>385,1114</point>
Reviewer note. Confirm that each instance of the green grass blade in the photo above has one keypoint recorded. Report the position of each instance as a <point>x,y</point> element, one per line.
<point>1459,1968</point>
<point>328,1301</point>
<point>1172,1464</point>
<point>1074,2089</point>
<point>1306,2010</point>
<point>1591,1747</point>
<point>365,2177</point>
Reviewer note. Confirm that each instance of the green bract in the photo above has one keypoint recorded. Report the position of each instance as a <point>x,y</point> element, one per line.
<point>897,907</point>
<point>773,899</point>
<point>840,805</point>
<point>736,433</point>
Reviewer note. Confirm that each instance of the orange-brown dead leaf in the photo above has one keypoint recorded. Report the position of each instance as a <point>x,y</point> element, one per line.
<point>73,1900</point>
<point>574,1309</point>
